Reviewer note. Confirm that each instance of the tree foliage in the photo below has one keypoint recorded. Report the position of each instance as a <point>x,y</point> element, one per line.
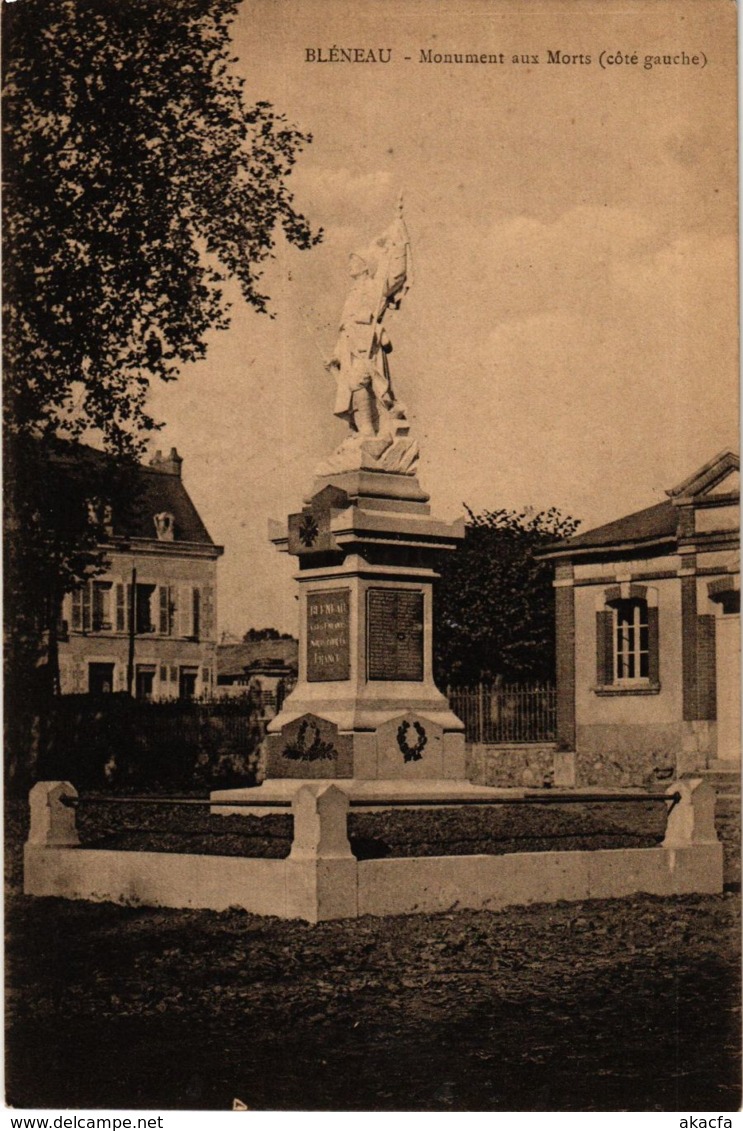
<point>265,634</point>
<point>136,180</point>
<point>494,604</point>
<point>57,501</point>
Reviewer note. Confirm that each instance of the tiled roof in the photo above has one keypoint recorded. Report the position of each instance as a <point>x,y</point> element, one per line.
<point>152,492</point>
<point>159,491</point>
<point>655,523</point>
<point>233,659</point>
<point>648,525</point>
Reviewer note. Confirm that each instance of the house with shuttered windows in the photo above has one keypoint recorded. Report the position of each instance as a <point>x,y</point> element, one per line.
<point>648,646</point>
<point>148,623</point>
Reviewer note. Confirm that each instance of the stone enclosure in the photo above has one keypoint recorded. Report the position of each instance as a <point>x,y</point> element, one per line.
<point>321,879</point>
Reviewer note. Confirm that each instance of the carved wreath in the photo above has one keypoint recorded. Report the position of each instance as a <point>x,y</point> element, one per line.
<point>411,751</point>
<point>309,746</point>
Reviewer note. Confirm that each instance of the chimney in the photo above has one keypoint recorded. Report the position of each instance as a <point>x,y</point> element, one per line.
<point>171,465</point>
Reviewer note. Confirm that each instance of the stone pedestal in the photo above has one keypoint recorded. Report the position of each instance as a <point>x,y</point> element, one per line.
<point>366,706</point>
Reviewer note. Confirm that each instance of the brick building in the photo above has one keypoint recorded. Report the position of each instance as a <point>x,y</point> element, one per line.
<point>648,654</point>
<point>154,609</point>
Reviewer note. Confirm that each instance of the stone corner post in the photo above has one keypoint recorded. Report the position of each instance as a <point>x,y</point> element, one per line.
<point>320,824</point>
<point>321,870</point>
<point>692,819</point>
<point>53,823</point>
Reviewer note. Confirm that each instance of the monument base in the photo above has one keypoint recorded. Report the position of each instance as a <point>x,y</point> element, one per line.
<point>275,795</point>
<point>366,705</point>
<point>404,741</point>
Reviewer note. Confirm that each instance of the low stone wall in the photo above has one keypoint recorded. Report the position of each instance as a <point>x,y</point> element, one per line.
<point>520,766</point>
<point>612,769</point>
<point>602,766</point>
<point>447,883</point>
<point>321,879</point>
<point>158,879</point>
<point>317,881</point>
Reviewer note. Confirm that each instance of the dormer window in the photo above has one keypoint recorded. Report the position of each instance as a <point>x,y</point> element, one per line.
<point>165,526</point>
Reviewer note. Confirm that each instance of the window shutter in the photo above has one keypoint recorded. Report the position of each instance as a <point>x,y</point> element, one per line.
<point>86,608</point>
<point>653,646</point>
<point>121,625</point>
<point>604,647</point>
<point>98,609</point>
<point>196,612</point>
<point>164,611</point>
<point>77,610</point>
<point>62,619</point>
<point>184,610</point>
<point>207,612</point>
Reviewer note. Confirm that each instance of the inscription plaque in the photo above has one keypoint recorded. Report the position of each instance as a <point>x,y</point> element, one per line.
<point>394,633</point>
<point>328,639</point>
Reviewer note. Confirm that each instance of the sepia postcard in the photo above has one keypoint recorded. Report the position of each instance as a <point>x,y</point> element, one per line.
<point>372,607</point>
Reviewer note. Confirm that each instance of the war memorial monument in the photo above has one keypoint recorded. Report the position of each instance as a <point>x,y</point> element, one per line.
<point>366,712</point>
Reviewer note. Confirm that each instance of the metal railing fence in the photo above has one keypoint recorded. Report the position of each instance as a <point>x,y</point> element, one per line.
<point>509,713</point>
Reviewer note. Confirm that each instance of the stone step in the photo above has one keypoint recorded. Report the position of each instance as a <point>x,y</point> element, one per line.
<point>723,781</point>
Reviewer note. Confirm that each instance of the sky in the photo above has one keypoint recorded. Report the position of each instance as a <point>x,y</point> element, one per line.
<point>570,338</point>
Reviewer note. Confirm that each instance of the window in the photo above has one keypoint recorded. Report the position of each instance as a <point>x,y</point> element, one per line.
<point>627,656</point>
<point>145,681</point>
<point>154,611</point>
<point>730,602</point>
<point>81,609</point>
<point>631,643</point>
<point>100,679</point>
<point>91,607</point>
<point>187,683</point>
<point>143,609</point>
<point>101,606</point>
